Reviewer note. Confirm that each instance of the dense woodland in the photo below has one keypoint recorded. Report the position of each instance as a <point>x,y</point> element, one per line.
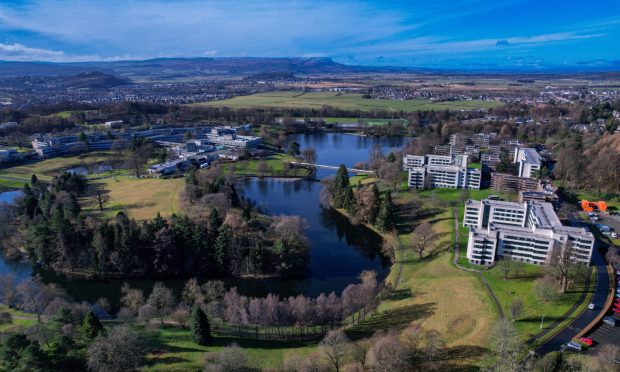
<point>57,235</point>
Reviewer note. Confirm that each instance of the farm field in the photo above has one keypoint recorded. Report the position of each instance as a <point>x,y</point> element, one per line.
<point>345,101</point>
<point>140,198</point>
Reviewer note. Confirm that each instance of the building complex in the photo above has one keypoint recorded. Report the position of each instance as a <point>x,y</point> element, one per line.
<point>443,171</point>
<point>527,232</point>
<point>227,137</point>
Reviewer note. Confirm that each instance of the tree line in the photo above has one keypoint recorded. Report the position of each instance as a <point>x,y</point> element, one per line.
<point>57,235</point>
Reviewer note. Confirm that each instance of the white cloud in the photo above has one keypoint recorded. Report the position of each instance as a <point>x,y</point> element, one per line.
<point>21,53</point>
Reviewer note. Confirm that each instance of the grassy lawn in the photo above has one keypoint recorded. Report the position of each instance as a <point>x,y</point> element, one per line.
<point>274,163</point>
<point>140,198</point>
<point>345,101</point>
<point>432,292</point>
<point>19,319</point>
<point>523,287</point>
<point>46,169</point>
<point>173,350</point>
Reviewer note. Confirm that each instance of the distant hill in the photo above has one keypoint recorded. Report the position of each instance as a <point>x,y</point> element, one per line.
<point>185,68</point>
<point>82,80</point>
<point>200,68</point>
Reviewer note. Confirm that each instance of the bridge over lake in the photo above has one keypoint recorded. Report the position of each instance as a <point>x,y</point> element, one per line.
<point>323,166</point>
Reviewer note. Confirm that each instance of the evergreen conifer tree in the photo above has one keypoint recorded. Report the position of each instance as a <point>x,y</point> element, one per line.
<point>199,326</point>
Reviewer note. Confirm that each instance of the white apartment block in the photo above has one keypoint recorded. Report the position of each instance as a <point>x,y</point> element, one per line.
<point>529,161</point>
<point>440,171</point>
<point>525,232</point>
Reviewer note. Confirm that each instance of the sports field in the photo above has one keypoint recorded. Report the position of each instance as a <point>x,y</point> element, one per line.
<point>345,101</point>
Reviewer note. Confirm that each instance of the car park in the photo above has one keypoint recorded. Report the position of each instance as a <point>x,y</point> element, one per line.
<point>610,320</point>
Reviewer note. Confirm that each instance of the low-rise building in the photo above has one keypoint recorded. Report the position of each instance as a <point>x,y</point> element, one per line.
<point>527,232</point>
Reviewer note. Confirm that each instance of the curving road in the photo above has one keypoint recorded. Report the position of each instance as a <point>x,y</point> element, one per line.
<point>599,298</point>
<point>585,318</point>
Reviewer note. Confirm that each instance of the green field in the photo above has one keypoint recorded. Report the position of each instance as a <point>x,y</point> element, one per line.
<point>15,177</point>
<point>345,101</point>
<point>523,287</point>
<point>274,167</point>
<point>140,198</point>
<point>173,350</point>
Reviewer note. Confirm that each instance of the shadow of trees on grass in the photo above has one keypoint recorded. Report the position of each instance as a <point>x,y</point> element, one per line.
<point>396,318</point>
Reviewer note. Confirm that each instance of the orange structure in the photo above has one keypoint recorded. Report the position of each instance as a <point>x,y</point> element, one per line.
<point>589,206</point>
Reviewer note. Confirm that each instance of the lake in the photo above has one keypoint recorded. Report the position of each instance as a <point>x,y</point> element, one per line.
<point>339,251</point>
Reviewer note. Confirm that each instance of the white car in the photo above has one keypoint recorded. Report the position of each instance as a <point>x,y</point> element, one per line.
<point>591,306</point>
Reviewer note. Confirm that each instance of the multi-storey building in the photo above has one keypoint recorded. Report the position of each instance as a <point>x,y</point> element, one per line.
<point>441,171</point>
<point>527,232</point>
<point>508,183</point>
<point>529,161</point>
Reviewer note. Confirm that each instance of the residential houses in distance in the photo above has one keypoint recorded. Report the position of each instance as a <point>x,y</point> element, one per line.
<point>527,232</point>
<point>440,171</point>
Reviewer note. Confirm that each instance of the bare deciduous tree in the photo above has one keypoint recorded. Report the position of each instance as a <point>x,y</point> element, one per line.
<point>161,300</point>
<point>118,351</point>
<point>388,353</point>
<point>132,298</point>
<point>8,290</point>
<point>231,358</point>
<point>423,238</point>
<point>515,308</point>
<point>334,347</point>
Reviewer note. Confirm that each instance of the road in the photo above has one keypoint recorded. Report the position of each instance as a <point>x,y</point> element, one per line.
<point>599,298</point>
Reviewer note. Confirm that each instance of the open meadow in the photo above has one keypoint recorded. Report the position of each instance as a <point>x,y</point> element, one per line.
<point>345,101</point>
<point>140,198</point>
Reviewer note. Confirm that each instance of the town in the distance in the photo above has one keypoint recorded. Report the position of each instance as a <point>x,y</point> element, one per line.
<point>330,211</point>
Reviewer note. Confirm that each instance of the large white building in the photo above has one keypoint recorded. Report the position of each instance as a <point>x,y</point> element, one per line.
<point>440,171</point>
<point>529,161</point>
<point>525,232</point>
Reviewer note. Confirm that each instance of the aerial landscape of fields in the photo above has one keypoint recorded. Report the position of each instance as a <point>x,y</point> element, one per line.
<point>309,186</point>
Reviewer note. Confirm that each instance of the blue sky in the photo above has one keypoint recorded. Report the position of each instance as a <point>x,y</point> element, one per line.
<point>521,34</point>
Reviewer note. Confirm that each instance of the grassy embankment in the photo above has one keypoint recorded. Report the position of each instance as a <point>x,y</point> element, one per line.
<point>428,289</point>
<point>345,101</point>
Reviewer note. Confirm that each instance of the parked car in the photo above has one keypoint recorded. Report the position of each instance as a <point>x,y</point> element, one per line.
<point>591,306</point>
<point>614,235</point>
<point>610,320</point>
<point>586,340</point>
<point>574,345</point>
<point>616,309</point>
